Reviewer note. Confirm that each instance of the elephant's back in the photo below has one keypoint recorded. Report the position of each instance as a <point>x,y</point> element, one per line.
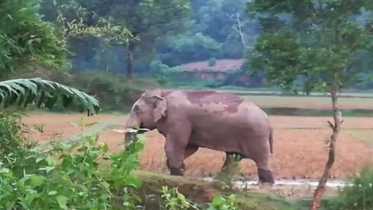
<point>212,101</point>
<point>215,107</point>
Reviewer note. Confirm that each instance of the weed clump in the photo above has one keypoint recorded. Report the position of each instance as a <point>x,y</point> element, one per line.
<point>356,196</point>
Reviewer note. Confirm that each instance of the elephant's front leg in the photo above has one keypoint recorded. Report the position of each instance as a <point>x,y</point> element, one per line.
<point>176,144</point>
<point>189,150</point>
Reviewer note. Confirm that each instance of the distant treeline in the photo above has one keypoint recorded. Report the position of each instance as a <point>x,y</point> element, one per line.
<point>170,35</point>
<point>208,32</point>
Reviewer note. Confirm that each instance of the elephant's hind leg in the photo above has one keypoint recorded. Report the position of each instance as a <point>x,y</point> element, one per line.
<point>265,176</point>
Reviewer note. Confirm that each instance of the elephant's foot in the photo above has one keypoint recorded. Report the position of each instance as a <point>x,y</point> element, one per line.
<point>182,165</point>
<point>176,172</point>
<point>266,176</point>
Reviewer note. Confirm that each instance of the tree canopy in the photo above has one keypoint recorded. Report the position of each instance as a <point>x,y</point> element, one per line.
<point>172,32</point>
<point>147,20</point>
<point>26,39</point>
<point>322,42</point>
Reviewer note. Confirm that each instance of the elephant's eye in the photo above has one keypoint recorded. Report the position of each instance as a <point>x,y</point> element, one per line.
<point>136,108</point>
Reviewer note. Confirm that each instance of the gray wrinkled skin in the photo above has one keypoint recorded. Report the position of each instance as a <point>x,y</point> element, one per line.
<point>218,121</point>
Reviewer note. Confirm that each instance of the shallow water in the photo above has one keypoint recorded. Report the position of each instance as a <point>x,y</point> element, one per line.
<point>283,183</point>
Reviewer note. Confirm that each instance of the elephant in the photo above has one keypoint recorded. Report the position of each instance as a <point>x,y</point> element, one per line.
<point>192,119</point>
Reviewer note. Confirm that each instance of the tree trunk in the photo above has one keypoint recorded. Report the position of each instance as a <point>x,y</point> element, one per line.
<point>336,127</point>
<point>129,61</point>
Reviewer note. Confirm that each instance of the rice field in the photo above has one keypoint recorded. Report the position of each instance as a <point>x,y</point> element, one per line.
<point>299,146</point>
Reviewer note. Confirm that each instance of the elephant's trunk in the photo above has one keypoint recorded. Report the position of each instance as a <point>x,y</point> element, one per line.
<point>127,138</point>
<point>132,123</point>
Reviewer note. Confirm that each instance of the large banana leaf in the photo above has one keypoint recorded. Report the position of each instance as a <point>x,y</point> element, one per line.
<point>40,92</point>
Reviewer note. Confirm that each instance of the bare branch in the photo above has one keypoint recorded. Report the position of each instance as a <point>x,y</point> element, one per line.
<point>239,26</point>
<point>331,124</point>
<point>339,117</point>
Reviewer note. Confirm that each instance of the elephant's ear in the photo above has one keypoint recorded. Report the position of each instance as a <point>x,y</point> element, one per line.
<point>160,108</point>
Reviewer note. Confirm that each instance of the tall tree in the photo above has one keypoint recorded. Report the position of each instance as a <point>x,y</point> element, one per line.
<point>76,22</point>
<point>148,20</point>
<point>214,30</point>
<point>26,39</point>
<point>320,41</point>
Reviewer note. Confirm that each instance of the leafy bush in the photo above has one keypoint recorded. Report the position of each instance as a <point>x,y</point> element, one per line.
<point>173,200</point>
<point>224,203</point>
<point>212,62</point>
<point>26,39</point>
<point>357,196</point>
<point>188,47</point>
<point>11,138</point>
<point>60,179</point>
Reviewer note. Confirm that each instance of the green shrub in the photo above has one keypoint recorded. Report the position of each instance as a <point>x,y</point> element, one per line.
<point>212,62</point>
<point>11,138</point>
<point>224,203</point>
<point>358,196</point>
<point>61,179</point>
<point>173,200</point>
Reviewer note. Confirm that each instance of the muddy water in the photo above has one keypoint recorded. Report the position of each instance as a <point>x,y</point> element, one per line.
<point>283,183</point>
<point>293,184</point>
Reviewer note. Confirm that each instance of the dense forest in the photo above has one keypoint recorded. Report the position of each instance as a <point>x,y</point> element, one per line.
<point>111,40</point>
<point>171,32</point>
<point>165,34</point>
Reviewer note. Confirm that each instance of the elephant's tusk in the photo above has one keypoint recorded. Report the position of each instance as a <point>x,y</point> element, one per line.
<point>130,130</point>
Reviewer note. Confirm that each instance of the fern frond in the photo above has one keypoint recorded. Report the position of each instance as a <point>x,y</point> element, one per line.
<point>46,93</point>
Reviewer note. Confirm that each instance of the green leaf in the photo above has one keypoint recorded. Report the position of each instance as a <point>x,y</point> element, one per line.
<point>36,180</point>
<point>21,184</point>
<point>51,101</point>
<point>47,169</point>
<point>41,99</point>
<point>52,192</point>
<point>51,161</point>
<point>66,100</point>
<point>62,201</point>
<point>25,90</point>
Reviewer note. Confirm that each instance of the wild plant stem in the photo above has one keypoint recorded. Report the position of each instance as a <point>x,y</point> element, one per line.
<point>315,205</point>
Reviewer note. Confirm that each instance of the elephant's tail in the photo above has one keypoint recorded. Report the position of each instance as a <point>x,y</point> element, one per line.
<point>271,140</point>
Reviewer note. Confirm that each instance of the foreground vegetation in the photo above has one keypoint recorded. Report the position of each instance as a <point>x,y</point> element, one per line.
<point>63,179</point>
